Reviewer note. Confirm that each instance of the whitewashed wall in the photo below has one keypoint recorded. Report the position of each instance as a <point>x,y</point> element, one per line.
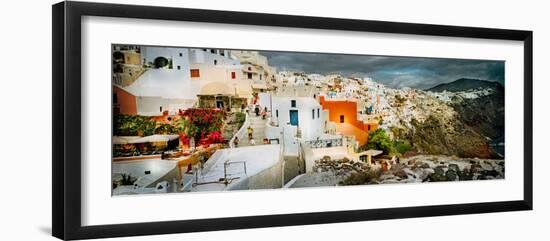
<point>311,128</point>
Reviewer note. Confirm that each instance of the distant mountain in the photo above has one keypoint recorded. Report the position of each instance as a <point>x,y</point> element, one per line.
<point>464,84</point>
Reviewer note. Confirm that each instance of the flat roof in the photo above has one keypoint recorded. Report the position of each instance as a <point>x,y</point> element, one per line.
<point>165,83</point>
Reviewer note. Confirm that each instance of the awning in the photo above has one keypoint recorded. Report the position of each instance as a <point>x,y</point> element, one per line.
<point>370,153</point>
<point>155,138</point>
<point>121,140</point>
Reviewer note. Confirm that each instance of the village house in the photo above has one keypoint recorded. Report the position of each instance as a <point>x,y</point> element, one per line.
<point>344,113</point>
<point>254,58</point>
<point>296,116</point>
<point>256,69</point>
<point>127,65</point>
<point>220,95</point>
<point>175,77</point>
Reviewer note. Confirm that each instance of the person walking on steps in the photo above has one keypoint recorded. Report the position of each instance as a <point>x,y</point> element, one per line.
<point>250,132</point>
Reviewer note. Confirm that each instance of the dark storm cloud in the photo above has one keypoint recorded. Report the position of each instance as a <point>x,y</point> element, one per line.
<point>396,72</point>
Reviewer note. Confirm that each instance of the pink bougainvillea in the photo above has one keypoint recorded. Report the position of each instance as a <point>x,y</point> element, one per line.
<point>204,124</point>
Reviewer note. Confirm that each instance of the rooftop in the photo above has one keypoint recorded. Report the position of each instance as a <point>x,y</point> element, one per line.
<point>165,83</point>
<point>296,91</point>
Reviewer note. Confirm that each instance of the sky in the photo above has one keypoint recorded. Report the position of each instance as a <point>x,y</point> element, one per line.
<point>396,72</point>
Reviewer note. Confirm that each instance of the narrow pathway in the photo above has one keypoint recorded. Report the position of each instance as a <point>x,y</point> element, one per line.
<point>292,168</point>
<point>258,125</point>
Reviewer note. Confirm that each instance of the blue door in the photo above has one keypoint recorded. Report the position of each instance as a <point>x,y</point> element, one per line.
<point>294,117</point>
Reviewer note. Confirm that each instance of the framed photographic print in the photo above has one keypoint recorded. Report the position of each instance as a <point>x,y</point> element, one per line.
<point>170,120</point>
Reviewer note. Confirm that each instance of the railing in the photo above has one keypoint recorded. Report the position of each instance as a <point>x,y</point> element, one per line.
<point>324,143</point>
<point>231,171</point>
<point>241,132</point>
<point>229,176</point>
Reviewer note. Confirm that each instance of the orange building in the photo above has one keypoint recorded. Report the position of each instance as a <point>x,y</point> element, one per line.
<point>344,114</point>
<point>123,102</point>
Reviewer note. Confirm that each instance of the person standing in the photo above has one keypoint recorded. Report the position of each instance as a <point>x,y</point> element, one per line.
<point>250,132</point>
<point>384,165</point>
<point>236,142</point>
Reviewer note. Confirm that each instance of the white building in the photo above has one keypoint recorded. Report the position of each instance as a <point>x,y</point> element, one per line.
<point>213,65</point>
<point>296,116</point>
<point>302,111</point>
<point>179,57</point>
<point>175,76</point>
<point>222,67</point>
<point>255,68</point>
<point>159,90</point>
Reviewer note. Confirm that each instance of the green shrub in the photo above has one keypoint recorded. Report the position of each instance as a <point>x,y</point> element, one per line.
<point>133,125</point>
<point>240,118</point>
<point>402,146</point>
<point>166,129</point>
<point>379,140</point>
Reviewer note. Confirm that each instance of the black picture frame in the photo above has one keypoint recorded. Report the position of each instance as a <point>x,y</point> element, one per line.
<point>66,127</point>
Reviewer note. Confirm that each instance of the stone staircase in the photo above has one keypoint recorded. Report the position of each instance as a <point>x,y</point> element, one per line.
<point>258,125</point>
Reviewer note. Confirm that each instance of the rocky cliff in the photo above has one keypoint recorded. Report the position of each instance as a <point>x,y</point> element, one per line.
<point>463,118</point>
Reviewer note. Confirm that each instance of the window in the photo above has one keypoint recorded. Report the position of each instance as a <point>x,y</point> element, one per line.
<point>260,77</point>
<point>213,51</point>
<point>313,114</point>
<point>341,118</point>
<point>181,54</point>
<point>293,103</point>
<point>318,113</point>
<point>276,113</point>
<point>115,98</point>
<point>233,75</point>
<point>179,67</point>
<point>195,73</point>
<point>249,69</point>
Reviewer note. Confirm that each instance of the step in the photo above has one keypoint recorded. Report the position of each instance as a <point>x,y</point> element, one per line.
<point>257,122</point>
<point>263,122</point>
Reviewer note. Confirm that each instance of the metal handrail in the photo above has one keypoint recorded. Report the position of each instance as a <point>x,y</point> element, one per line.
<point>225,179</point>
